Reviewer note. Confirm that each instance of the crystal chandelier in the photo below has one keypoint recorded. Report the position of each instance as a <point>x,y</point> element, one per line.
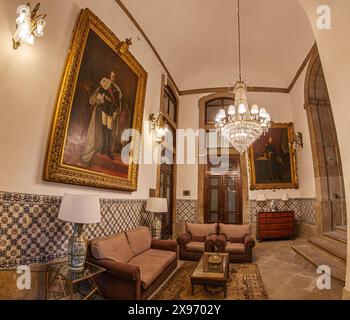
<point>242,126</point>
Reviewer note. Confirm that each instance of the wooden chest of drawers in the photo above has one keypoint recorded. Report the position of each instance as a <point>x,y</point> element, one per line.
<point>275,225</point>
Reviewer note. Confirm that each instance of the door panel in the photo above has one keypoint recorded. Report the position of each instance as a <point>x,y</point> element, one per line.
<point>166,191</point>
<point>223,194</point>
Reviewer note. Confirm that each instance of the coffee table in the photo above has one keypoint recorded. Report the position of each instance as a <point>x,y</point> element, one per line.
<point>211,279</point>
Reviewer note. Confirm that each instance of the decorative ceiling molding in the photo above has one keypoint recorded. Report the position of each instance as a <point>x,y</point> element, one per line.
<point>214,89</point>
<point>226,89</point>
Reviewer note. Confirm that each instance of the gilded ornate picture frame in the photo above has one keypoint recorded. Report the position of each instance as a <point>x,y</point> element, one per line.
<point>102,94</point>
<point>272,159</point>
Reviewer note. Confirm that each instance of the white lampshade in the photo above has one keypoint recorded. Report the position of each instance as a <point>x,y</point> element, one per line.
<point>80,209</point>
<point>157,205</point>
<point>285,197</point>
<point>261,197</point>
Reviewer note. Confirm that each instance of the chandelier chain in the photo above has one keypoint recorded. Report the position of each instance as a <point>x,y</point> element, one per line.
<point>239,40</point>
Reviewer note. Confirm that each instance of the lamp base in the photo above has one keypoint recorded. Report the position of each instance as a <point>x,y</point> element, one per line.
<point>157,227</point>
<point>77,249</point>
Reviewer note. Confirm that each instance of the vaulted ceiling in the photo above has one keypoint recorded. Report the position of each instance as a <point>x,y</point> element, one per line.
<point>197,39</point>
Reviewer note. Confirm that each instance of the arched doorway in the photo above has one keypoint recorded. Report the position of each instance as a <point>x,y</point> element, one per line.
<point>204,174</point>
<point>331,204</point>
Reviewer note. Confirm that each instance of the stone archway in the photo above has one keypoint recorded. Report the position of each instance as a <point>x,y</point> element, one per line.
<point>330,195</point>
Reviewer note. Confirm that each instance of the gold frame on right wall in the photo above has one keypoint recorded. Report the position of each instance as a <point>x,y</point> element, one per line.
<point>293,183</point>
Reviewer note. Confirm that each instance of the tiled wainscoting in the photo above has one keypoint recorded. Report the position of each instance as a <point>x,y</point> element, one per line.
<point>31,233</point>
<point>304,209</point>
<point>186,211</point>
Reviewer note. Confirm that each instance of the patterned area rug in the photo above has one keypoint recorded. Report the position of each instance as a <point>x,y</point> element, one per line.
<point>245,284</point>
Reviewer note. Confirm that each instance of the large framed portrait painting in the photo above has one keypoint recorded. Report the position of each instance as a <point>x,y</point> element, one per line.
<point>102,95</point>
<point>272,159</point>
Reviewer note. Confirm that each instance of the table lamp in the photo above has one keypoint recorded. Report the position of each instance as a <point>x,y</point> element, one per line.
<point>79,209</point>
<point>157,206</point>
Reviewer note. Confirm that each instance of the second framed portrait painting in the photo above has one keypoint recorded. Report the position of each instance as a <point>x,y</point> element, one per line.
<point>101,96</point>
<point>272,159</point>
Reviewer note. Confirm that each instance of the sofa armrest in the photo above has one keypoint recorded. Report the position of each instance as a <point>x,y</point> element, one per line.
<point>249,241</point>
<point>184,239</point>
<point>211,237</point>
<point>120,269</point>
<point>220,242</point>
<point>165,245</point>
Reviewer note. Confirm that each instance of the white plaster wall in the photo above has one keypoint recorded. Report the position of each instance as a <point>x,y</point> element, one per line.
<point>307,188</point>
<point>30,78</point>
<point>283,108</point>
<point>187,174</point>
<point>334,48</point>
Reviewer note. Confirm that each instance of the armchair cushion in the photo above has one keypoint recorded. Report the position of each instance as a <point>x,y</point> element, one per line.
<point>140,240</point>
<point>195,246</point>
<point>199,232</point>
<point>114,248</point>
<point>235,248</point>
<point>235,233</point>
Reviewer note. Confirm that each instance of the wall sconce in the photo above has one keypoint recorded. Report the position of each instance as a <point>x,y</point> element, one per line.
<point>159,126</point>
<point>29,25</point>
<point>298,140</point>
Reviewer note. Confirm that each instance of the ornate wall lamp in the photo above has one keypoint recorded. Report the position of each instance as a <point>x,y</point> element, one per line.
<point>29,25</point>
<point>298,140</point>
<point>159,126</point>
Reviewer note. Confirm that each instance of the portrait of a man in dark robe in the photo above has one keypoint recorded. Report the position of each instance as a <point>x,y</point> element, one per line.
<point>271,154</point>
<point>272,161</point>
<point>103,107</point>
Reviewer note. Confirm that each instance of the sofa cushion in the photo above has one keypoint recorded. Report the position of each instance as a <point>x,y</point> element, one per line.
<point>200,231</point>
<point>235,248</point>
<point>235,233</point>
<point>114,248</point>
<point>195,246</point>
<point>139,239</point>
<point>152,263</point>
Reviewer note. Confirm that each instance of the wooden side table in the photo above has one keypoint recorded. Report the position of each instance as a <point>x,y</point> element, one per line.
<point>68,280</point>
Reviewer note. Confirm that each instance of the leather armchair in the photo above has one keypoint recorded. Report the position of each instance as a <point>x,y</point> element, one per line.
<point>193,250</point>
<point>239,248</point>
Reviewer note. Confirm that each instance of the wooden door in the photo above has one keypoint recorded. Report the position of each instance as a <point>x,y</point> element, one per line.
<point>223,193</point>
<point>166,191</point>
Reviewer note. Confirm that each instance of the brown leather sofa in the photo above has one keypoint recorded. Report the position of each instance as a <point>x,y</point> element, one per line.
<point>237,241</point>
<point>199,238</point>
<point>136,264</point>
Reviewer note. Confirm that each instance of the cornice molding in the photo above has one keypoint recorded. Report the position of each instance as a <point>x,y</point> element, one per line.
<point>213,89</point>
<point>226,89</point>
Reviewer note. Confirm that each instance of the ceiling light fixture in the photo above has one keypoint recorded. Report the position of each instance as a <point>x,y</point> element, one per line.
<point>242,125</point>
<point>29,25</point>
